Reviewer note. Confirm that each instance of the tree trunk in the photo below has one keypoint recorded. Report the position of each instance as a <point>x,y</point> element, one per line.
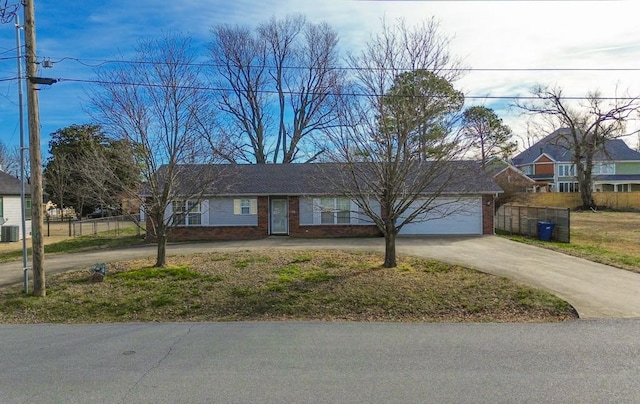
<point>390,251</point>
<point>390,245</point>
<point>586,194</point>
<point>161,257</point>
<point>586,185</point>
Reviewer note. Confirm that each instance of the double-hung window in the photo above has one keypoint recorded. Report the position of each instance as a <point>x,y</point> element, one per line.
<point>245,206</point>
<point>187,213</point>
<point>334,210</point>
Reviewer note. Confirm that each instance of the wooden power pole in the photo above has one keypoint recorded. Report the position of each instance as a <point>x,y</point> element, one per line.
<point>33,112</point>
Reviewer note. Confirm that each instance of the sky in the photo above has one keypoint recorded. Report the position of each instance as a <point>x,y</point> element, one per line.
<point>532,40</point>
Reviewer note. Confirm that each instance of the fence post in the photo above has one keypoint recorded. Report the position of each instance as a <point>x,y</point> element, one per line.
<point>69,226</point>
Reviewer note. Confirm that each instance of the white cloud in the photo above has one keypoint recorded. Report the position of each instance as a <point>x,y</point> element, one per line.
<point>487,34</point>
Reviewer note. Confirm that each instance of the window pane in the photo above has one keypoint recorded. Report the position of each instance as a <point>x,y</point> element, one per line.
<point>326,217</point>
<point>344,217</point>
<point>245,206</point>
<point>327,203</point>
<point>193,206</point>
<point>195,218</point>
<point>343,204</point>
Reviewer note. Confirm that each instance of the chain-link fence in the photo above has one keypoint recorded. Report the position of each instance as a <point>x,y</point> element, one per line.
<point>111,225</point>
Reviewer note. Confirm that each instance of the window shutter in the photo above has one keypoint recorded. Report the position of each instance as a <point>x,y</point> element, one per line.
<point>236,207</point>
<point>254,206</point>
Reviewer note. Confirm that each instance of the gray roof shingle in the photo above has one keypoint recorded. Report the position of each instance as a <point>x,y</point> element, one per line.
<point>312,179</point>
<point>555,147</point>
<point>10,185</point>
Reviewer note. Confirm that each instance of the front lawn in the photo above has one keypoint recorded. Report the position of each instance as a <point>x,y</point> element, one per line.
<point>611,238</point>
<point>283,285</point>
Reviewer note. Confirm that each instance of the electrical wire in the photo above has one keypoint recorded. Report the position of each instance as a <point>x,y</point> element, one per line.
<point>329,93</point>
<point>102,62</point>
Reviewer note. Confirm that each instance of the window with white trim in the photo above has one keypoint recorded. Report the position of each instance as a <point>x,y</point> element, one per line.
<point>334,210</point>
<point>246,206</point>
<point>187,213</point>
<point>603,168</point>
<point>566,170</point>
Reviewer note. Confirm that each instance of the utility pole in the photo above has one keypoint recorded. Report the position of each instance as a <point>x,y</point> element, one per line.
<point>33,111</point>
<point>25,268</point>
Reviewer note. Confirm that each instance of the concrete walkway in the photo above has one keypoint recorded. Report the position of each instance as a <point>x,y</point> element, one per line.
<point>595,290</point>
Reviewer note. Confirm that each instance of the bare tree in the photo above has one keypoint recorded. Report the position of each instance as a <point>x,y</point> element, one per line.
<point>158,104</point>
<point>396,139</point>
<point>590,123</point>
<point>281,83</point>
<point>8,161</point>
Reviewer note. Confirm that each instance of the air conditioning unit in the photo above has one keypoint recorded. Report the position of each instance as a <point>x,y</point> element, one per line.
<point>10,233</point>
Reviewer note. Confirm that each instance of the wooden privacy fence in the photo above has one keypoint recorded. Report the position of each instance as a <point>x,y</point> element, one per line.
<point>611,200</point>
<point>523,220</point>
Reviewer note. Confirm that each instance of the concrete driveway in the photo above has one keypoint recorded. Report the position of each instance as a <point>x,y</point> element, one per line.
<point>595,290</point>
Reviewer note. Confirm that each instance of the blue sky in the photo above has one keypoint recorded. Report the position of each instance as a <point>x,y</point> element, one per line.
<point>485,34</point>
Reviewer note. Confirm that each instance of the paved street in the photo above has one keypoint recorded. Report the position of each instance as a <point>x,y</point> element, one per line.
<point>593,361</point>
<point>595,290</point>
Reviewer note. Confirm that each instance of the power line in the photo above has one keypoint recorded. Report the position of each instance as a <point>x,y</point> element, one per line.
<point>102,62</point>
<point>336,94</point>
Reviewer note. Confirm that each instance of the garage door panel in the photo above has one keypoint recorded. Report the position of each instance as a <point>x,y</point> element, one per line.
<point>450,217</point>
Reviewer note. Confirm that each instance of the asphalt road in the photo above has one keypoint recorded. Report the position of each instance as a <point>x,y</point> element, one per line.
<point>594,290</point>
<point>593,361</point>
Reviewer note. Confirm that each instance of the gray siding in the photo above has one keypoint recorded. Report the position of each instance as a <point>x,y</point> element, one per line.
<point>221,214</point>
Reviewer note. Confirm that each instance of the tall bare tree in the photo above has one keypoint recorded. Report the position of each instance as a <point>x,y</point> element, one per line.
<point>280,86</point>
<point>158,104</point>
<point>9,161</point>
<point>396,139</point>
<point>590,124</point>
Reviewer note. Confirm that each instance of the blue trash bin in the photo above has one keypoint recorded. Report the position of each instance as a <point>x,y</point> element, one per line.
<point>545,230</point>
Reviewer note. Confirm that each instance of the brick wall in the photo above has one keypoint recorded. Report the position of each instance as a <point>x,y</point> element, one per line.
<point>487,214</point>
<point>197,233</point>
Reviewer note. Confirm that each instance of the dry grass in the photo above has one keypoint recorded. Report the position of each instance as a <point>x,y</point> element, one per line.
<point>611,238</point>
<point>283,285</point>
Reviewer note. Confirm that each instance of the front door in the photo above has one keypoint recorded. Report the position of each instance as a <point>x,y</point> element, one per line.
<point>279,216</point>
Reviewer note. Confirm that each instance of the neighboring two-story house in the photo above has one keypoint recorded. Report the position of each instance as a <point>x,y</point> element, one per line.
<point>616,168</point>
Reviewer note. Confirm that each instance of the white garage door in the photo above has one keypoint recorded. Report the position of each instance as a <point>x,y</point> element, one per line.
<point>450,216</point>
